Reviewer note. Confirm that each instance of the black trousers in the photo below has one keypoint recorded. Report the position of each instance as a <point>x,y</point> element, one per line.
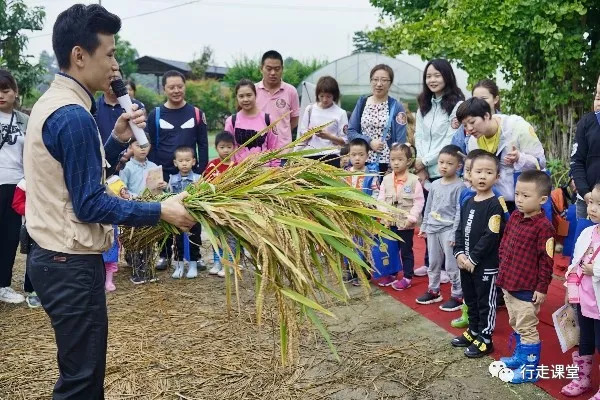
<point>195,242</point>
<point>10,225</point>
<point>71,289</point>
<point>589,334</point>
<point>140,263</point>
<point>479,293</point>
<point>195,254</point>
<point>406,251</point>
<point>27,286</point>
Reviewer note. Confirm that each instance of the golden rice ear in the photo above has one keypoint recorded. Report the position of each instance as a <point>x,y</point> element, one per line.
<point>302,224</point>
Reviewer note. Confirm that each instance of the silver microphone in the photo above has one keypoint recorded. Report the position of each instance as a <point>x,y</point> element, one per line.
<point>120,90</point>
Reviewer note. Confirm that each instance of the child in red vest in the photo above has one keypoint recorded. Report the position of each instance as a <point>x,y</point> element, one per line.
<point>224,142</point>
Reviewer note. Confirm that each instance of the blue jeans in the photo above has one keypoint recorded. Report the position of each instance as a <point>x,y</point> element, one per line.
<point>232,245</point>
<point>71,289</point>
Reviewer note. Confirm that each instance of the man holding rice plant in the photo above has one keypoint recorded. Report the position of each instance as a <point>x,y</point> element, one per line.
<point>69,214</point>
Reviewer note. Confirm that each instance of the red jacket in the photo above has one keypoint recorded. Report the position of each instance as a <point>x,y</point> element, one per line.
<point>18,203</point>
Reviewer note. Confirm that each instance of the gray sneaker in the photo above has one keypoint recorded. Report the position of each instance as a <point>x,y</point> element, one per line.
<point>33,301</point>
<point>8,295</point>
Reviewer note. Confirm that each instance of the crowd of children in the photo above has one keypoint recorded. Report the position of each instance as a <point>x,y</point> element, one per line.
<point>455,197</point>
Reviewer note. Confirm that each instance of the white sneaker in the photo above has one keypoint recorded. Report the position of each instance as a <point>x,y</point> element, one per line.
<point>221,273</point>
<point>444,278</point>
<point>179,269</point>
<point>192,270</point>
<point>216,268</point>
<point>8,295</point>
<point>421,271</point>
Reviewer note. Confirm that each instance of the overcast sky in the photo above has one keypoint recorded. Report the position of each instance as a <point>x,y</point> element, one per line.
<point>301,29</point>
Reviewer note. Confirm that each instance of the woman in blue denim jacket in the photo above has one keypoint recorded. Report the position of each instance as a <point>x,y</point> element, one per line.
<point>379,119</point>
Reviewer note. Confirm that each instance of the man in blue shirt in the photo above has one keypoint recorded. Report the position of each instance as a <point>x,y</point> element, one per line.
<point>175,124</point>
<point>108,111</point>
<point>69,214</point>
<point>178,123</point>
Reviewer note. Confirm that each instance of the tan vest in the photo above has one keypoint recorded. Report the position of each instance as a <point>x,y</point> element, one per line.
<point>51,221</point>
<point>404,198</point>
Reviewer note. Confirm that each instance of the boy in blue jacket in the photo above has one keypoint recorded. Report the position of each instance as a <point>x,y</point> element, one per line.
<point>368,184</point>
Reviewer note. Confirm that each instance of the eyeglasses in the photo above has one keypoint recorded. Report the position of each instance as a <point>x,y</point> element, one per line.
<point>382,81</point>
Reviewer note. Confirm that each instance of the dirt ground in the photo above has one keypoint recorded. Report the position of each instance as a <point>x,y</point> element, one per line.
<point>174,340</point>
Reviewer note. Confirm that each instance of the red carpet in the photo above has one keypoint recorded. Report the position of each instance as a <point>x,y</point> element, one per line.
<point>551,352</point>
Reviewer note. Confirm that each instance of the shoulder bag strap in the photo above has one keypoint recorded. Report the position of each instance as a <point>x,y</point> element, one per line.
<point>8,131</point>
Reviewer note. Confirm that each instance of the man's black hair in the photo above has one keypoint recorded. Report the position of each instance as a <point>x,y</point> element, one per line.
<point>79,25</point>
<point>170,74</point>
<point>272,54</point>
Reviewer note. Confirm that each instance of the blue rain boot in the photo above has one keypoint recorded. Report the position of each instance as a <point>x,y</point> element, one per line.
<point>514,361</point>
<point>530,354</point>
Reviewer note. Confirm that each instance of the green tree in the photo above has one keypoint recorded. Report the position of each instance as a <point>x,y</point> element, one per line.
<point>48,62</point>
<point>364,44</point>
<point>294,71</point>
<point>15,17</point>
<point>243,68</point>
<point>548,51</point>
<point>126,56</point>
<point>149,97</point>
<point>200,64</point>
<point>212,97</point>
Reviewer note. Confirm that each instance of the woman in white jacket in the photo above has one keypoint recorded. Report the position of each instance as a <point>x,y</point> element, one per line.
<point>583,283</point>
<point>437,107</point>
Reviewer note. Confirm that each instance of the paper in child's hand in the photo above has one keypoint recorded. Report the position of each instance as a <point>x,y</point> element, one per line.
<point>153,179</point>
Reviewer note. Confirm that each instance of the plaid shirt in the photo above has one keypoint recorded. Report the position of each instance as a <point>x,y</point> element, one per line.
<point>526,253</point>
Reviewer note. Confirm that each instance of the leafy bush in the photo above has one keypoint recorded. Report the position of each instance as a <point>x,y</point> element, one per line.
<point>559,171</point>
<point>149,97</point>
<point>213,98</point>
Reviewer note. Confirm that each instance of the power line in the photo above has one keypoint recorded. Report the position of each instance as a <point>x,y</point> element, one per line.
<point>137,15</point>
<point>281,6</point>
<point>240,5</point>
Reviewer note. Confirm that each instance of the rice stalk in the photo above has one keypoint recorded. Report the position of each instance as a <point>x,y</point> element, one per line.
<point>301,224</point>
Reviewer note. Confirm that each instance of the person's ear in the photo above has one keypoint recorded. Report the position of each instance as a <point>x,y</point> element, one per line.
<point>78,56</point>
<point>543,200</point>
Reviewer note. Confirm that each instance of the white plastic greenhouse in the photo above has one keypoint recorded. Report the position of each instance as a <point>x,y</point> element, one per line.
<point>352,74</point>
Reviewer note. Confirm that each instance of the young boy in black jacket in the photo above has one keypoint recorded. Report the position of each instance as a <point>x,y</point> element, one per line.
<point>476,251</point>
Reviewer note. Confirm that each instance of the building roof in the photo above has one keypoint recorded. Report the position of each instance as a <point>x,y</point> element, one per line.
<point>158,66</point>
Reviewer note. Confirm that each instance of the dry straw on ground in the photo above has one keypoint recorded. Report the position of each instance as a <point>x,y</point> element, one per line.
<point>172,340</point>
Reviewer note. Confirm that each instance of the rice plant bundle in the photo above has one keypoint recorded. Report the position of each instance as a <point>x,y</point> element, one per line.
<point>300,222</point>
